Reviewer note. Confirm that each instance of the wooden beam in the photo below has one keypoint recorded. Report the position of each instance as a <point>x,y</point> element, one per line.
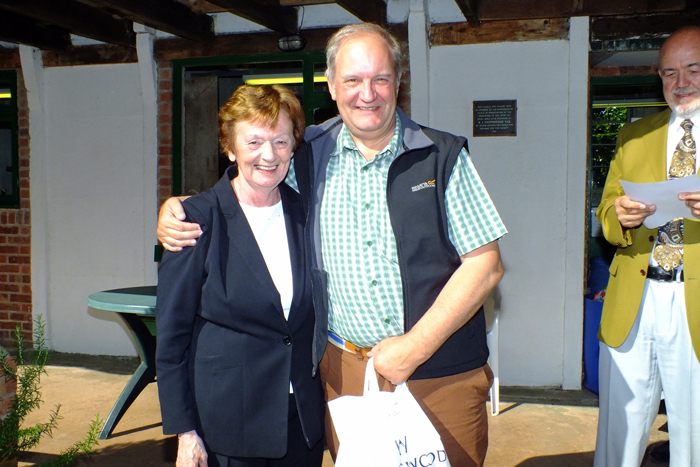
<point>170,16</point>
<point>642,26</point>
<point>270,14</point>
<point>369,11</point>
<point>304,2</point>
<point>257,43</point>
<point>499,31</point>
<point>21,30</point>
<point>102,54</point>
<point>496,10</point>
<point>469,10</point>
<point>75,17</point>
<point>235,44</point>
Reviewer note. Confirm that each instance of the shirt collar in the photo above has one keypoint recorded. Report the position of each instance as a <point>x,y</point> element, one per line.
<point>346,143</point>
<point>676,121</point>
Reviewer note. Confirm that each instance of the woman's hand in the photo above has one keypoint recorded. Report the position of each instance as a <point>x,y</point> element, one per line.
<point>190,450</point>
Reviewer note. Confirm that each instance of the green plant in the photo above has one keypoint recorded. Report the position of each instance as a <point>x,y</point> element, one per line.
<point>28,368</point>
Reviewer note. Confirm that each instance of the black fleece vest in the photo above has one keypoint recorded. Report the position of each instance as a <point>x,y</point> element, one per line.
<point>427,259</point>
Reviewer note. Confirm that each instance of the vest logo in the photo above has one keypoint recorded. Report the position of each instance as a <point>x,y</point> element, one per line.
<point>422,186</point>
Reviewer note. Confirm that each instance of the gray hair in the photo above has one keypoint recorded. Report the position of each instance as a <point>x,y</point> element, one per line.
<point>358,29</point>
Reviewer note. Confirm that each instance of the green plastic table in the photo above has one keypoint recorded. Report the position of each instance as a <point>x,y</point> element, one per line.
<point>136,306</point>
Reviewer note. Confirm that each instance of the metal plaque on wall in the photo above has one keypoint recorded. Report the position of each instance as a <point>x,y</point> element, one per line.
<point>495,118</point>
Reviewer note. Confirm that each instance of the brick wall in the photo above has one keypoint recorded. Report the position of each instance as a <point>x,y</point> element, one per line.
<point>15,241</point>
<point>165,131</point>
<point>608,71</point>
<point>9,389</point>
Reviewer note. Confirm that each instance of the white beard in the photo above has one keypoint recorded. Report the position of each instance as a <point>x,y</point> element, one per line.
<point>688,110</point>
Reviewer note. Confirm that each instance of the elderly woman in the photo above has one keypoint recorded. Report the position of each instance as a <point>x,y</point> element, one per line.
<point>234,314</point>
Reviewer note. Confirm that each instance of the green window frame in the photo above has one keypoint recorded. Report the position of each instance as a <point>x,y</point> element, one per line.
<point>9,195</point>
<point>612,103</point>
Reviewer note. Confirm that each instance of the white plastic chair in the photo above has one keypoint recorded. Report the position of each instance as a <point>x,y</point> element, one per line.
<point>491,312</point>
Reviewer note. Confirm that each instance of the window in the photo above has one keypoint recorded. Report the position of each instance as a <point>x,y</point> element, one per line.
<point>9,165</point>
<point>615,102</point>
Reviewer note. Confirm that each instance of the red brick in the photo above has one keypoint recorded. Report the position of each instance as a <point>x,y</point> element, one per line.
<point>10,384</point>
<point>19,260</point>
<point>165,107</point>
<point>21,298</point>
<point>165,73</point>
<point>5,404</point>
<point>9,230</point>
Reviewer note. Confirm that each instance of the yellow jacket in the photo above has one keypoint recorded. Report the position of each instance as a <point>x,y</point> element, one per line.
<point>641,157</point>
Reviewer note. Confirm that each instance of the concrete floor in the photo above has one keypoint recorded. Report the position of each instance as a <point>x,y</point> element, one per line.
<point>536,429</point>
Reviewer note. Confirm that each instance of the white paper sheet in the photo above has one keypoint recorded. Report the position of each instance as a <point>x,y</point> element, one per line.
<point>665,196</point>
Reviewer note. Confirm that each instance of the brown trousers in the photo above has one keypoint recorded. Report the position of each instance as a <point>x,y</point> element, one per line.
<point>456,405</point>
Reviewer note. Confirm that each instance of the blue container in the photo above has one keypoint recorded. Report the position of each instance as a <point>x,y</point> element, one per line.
<point>592,312</point>
<point>598,274</point>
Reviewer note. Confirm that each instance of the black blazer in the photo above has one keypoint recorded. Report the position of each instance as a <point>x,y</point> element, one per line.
<point>225,353</point>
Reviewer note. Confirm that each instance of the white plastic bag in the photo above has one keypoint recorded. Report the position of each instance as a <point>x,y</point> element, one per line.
<point>384,429</point>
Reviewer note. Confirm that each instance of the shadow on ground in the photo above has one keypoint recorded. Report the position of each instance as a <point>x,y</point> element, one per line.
<point>108,364</point>
<point>583,459</point>
<point>148,453</point>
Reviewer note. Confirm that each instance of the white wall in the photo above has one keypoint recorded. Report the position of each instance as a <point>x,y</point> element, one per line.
<point>95,192</point>
<point>526,176</point>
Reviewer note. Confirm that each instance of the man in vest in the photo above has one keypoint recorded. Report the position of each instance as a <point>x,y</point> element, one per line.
<point>403,240</point>
<point>650,329</point>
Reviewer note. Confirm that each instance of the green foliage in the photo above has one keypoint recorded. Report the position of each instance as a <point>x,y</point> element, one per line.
<point>68,457</point>
<point>605,125</point>
<point>30,365</point>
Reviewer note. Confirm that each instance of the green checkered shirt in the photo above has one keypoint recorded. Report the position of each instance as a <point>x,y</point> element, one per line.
<point>358,243</point>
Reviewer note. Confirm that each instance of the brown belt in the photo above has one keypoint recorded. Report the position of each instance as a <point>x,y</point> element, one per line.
<point>347,345</point>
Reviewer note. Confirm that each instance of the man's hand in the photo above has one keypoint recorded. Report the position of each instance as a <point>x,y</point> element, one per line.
<point>631,214</point>
<point>692,200</point>
<point>190,450</point>
<point>172,232</point>
<point>396,358</point>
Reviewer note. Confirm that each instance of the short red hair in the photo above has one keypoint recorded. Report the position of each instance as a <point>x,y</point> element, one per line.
<point>261,105</point>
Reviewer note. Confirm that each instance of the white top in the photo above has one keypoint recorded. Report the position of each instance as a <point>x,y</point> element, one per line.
<point>267,224</point>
